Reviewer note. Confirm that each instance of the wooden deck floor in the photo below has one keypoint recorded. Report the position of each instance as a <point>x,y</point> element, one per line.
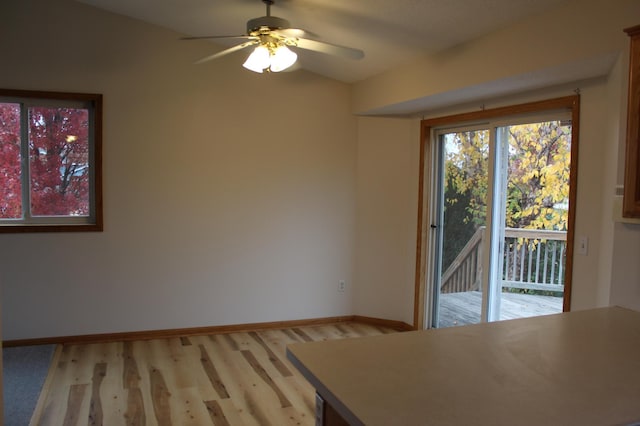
<point>464,308</point>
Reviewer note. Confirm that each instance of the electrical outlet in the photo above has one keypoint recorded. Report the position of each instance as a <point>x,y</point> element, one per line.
<point>342,285</point>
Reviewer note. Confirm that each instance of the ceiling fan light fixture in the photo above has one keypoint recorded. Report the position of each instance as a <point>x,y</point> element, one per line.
<point>275,60</point>
<point>259,59</point>
<point>270,36</point>
<point>282,58</point>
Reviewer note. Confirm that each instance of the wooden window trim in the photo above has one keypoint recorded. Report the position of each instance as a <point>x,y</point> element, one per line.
<point>96,102</point>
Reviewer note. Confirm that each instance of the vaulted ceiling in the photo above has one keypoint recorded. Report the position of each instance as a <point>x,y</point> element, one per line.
<point>390,32</point>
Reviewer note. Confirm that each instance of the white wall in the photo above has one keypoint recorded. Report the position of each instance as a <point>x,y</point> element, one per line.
<point>229,196</point>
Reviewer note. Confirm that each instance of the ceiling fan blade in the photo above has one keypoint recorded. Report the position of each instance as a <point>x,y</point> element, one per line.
<point>328,48</point>
<point>227,51</point>
<point>294,32</point>
<point>214,37</point>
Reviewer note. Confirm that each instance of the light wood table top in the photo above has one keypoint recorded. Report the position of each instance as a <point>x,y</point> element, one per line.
<point>578,368</point>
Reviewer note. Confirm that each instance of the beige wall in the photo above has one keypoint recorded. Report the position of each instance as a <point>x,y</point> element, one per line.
<point>387,204</point>
<point>387,193</point>
<point>580,39</point>
<point>229,196</point>
<point>232,197</point>
<point>581,46</point>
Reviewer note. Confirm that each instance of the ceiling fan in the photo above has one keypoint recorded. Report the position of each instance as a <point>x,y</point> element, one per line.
<point>272,37</point>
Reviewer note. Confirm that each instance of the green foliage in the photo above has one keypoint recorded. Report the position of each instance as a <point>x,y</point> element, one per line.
<point>538,170</point>
<point>539,157</point>
<point>466,171</point>
<point>466,168</point>
<point>457,224</point>
<point>537,187</point>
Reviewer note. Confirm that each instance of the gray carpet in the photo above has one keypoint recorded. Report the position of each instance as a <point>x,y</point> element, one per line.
<point>24,371</point>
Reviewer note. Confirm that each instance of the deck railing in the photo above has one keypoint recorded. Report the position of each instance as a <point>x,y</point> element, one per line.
<point>532,260</point>
<point>465,272</point>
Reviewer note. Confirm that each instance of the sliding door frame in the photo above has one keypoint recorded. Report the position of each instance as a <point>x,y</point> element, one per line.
<point>424,245</point>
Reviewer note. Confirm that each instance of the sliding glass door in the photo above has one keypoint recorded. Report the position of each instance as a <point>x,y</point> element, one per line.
<point>463,164</point>
<point>500,220</point>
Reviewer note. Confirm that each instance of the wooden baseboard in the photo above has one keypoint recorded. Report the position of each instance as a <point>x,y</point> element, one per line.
<point>396,325</point>
<point>198,331</point>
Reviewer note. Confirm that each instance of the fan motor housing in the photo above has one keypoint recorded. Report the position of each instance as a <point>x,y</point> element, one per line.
<point>271,22</point>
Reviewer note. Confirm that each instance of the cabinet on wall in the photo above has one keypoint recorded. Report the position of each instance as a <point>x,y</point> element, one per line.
<point>631,202</point>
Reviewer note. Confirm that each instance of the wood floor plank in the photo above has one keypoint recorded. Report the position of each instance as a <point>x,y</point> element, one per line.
<point>78,370</point>
<point>160,396</point>
<point>135,414</point>
<point>55,406</point>
<point>114,397</point>
<point>321,333</point>
<point>212,373</point>
<point>188,408</point>
<point>262,373</point>
<point>273,358</point>
<point>256,400</point>
<point>143,354</point>
<point>352,330</point>
<point>268,360</point>
<point>217,414</point>
<point>177,367</point>
<point>365,329</point>
<point>41,408</point>
<point>130,373</point>
<point>342,329</point>
<point>231,342</point>
<point>256,411</point>
<point>237,379</point>
<point>299,392</point>
<point>80,363</point>
<point>95,406</point>
<point>324,333</point>
<point>302,334</point>
<point>200,378</point>
<point>232,413</point>
<point>292,335</point>
<point>277,341</point>
<point>77,394</point>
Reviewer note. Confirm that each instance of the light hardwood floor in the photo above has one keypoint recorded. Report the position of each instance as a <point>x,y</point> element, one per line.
<point>222,379</point>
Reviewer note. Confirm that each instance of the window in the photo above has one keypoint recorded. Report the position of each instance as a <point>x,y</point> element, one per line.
<point>50,161</point>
